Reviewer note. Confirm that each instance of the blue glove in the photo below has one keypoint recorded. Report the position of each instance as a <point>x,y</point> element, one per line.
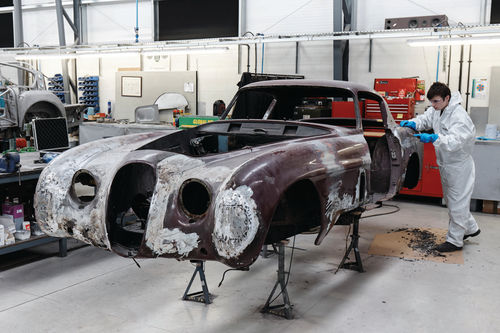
<point>408,123</point>
<point>425,138</point>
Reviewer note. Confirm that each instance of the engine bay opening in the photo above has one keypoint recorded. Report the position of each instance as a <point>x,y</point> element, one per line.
<point>223,137</point>
<point>128,208</point>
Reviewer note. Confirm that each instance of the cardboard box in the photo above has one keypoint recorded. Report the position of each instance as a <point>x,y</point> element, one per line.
<point>490,207</point>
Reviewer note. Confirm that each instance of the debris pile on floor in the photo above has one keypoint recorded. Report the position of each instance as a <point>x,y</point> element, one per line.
<point>414,244</point>
<point>422,240</point>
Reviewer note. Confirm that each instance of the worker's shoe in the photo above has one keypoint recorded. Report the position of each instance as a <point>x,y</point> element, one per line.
<point>472,235</point>
<point>447,247</point>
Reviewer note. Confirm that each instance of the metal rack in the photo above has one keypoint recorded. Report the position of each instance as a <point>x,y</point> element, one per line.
<point>57,87</point>
<point>88,86</point>
<point>29,172</point>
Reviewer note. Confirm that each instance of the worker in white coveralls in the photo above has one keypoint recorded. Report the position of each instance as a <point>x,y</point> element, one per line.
<point>453,141</point>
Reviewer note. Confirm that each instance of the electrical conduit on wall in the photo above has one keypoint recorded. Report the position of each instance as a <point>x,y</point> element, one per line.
<point>136,30</point>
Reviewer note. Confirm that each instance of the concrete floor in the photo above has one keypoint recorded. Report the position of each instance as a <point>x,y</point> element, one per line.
<point>92,290</point>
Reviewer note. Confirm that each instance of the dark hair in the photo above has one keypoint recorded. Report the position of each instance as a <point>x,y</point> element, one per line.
<point>438,89</point>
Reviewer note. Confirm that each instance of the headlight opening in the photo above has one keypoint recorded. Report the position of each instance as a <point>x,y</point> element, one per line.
<point>84,186</point>
<point>194,198</point>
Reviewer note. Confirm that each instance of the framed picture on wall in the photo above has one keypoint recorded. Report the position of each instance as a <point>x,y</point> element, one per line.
<point>131,86</point>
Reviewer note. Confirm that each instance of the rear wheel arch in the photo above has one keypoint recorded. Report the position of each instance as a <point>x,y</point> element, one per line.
<point>41,109</point>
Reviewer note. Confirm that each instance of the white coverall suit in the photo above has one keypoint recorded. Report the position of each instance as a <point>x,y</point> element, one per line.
<point>456,166</point>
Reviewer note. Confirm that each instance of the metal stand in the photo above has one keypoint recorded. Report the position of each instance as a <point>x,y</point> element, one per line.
<point>63,247</point>
<point>202,296</point>
<point>356,265</point>
<point>285,309</point>
<point>265,253</point>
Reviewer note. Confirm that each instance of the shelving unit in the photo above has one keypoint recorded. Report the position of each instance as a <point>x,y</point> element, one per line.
<point>57,87</point>
<point>88,87</point>
<point>24,184</point>
<point>35,241</point>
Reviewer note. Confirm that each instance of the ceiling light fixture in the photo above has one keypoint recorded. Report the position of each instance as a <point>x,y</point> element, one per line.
<point>42,56</point>
<point>109,53</point>
<point>453,41</point>
<point>201,50</point>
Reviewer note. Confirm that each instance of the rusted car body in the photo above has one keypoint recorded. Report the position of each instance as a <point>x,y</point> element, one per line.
<point>223,189</point>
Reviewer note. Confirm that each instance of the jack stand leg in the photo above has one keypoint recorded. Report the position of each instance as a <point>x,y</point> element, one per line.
<point>204,295</point>
<point>266,253</point>
<point>285,309</point>
<point>356,265</point>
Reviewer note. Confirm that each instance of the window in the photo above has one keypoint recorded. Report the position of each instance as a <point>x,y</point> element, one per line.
<point>6,26</point>
<point>193,19</point>
<point>371,106</point>
<point>294,103</point>
<point>495,12</point>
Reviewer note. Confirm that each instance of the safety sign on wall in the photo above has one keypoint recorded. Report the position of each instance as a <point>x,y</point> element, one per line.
<point>479,88</point>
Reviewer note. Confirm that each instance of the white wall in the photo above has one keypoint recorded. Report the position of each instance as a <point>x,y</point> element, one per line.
<point>116,22</point>
<point>107,23</point>
<point>272,17</point>
<point>218,74</point>
<point>394,58</point>
<point>217,77</point>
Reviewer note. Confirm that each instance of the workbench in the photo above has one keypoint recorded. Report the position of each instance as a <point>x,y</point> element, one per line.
<point>486,156</point>
<point>25,181</point>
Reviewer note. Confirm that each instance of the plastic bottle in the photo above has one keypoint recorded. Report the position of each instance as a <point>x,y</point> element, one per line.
<point>17,211</point>
<point>6,204</point>
<point>109,109</point>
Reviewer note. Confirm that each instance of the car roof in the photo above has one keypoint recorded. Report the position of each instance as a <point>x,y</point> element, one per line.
<point>354,87</point>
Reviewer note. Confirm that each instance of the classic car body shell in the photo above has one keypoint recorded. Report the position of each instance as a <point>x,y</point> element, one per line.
<point>221,190</point>
<point>23,103</point>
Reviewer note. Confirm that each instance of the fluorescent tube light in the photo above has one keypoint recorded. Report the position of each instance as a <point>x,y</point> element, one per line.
<point>120,53</point>
<point>203,50</point>
<point>108,54</point>
<point>41,56</point>
<point>453,41</point>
